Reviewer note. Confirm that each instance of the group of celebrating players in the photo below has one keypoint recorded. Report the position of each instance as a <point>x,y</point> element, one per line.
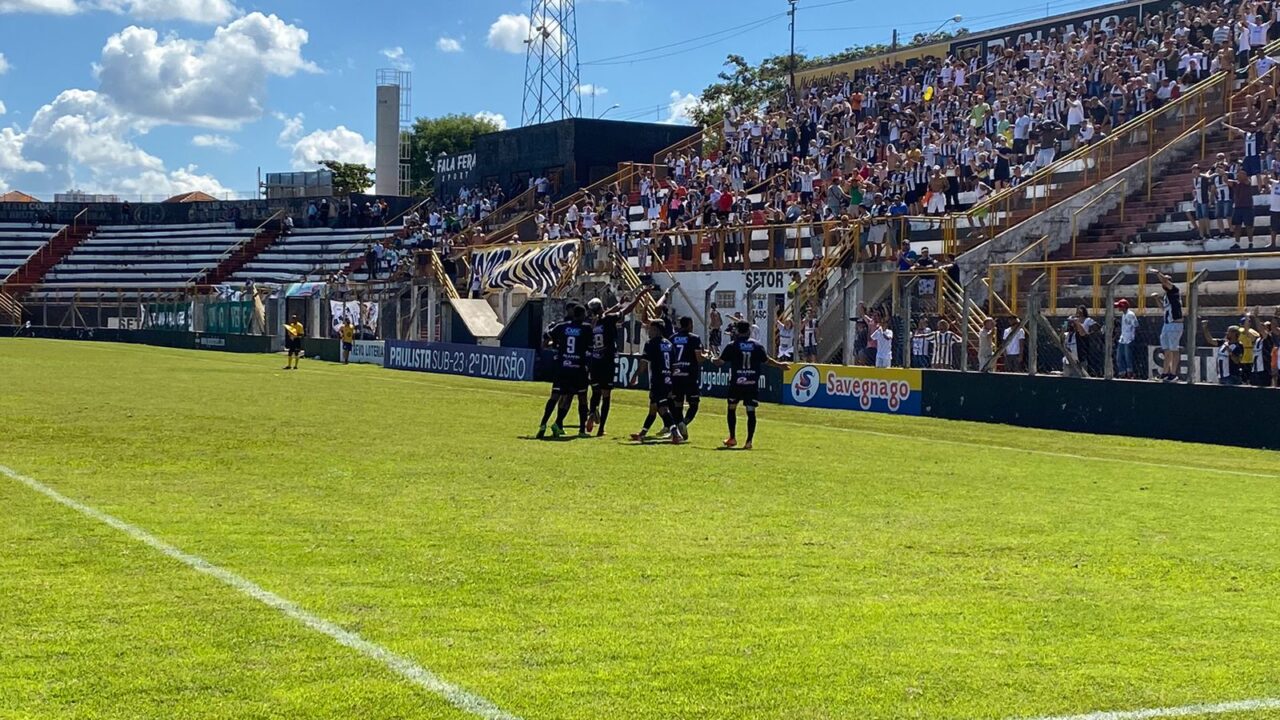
<point>586,347</point>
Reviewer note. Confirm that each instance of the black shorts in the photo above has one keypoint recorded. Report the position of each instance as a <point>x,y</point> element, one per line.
<point>714,338</point>
<point>570,381</point>
<point>748,395</point>
<point>686,387</point>
<point>347,346</point>
<point>604,372</point>
<point>1275,221</point>
<point>293,345</point>
<point>659,394</point>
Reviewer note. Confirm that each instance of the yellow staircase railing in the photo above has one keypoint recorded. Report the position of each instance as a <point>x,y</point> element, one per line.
<point>1060,274</point>
<point>10,306</point>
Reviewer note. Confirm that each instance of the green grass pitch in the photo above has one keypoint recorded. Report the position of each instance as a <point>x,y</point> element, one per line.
<point>853,566</point>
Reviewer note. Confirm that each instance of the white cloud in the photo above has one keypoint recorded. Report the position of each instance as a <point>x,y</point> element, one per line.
<point>218,83</point>
<point>216,142</point>
<point>398,59</point>
<point>588,90</point>
<point>496,118</point>
<point>12,160</point>
<point>83,139</point>
<point>508,33</point>
<point>53,7</point>
<point>680,109</point>
<point>182,180</point>
<point>3,109</point>
<point>4,64</point>
<point>340,143</point>
<point>448,45</point>
<point>292,129</point>
<point>199,11</point>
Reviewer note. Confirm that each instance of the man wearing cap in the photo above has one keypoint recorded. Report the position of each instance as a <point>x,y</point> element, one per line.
<point>1124,348</point>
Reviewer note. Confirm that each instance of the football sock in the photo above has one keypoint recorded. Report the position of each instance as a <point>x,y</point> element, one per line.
<point>733,422</point>
<point>693,411</point>
<point>751,424</point>
<point>604,412</point>
<point>546,414</point>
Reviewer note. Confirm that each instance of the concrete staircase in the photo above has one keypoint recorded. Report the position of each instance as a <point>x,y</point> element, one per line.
<point>232,262</point>
<point>1110,233</point>
<point>43,260</point>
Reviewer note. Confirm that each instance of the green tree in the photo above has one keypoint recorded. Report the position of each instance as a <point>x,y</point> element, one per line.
<point>747,85</point>
<point>448,135</point>
<point>349,178</point>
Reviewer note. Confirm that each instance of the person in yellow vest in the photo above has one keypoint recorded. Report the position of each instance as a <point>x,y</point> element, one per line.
<point>293,331</point>
<point>347,333</point>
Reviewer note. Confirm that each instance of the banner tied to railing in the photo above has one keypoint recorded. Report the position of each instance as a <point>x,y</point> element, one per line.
<point>537,267</point>
<point>363,315</point>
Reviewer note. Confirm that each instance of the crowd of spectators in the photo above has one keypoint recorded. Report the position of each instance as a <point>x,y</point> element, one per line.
<point>904,140</point>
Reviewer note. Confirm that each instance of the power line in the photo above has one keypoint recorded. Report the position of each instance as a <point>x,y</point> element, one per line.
<point>748,27</point>
<point>665,55</point>
<point>992,16</point>
<point>745,27</point>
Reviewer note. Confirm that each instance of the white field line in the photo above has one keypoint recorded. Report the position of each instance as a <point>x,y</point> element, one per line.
<point>1238,706</point>
<point>437,381</point>
<point>399,664</point>
<point>1223,708</point>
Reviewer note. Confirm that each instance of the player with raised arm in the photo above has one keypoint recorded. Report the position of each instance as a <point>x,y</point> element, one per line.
<point>571,340</point>
<point>603,357</point>
<point>686,374</point>
<point>746,359</point>
<point>657,357</point>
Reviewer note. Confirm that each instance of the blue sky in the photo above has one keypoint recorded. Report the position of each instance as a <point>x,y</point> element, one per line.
<point>154,97</point>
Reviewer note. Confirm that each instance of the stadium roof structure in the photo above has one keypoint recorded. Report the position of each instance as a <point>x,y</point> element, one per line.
<point>18,196</point>
<point>189,197</point>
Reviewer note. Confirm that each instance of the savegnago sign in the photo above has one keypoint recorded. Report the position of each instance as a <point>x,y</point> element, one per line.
<point>886,390</point>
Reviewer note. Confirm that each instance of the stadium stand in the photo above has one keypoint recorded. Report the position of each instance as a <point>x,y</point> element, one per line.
<point>156,256</point>
<point>312,252</point>
<point>18,242</point>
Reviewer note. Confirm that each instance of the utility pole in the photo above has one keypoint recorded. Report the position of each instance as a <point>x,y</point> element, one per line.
<point>893,47</point>
<point>792,13</point>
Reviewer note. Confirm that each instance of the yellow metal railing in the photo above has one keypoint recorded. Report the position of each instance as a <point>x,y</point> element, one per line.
<point>948,297</point>
<point>1042,245</point>
<point>1139,137</point>
<point>1075,215</point>
<point>205,272</point>
<point>1091,163</point>
<point>1060,274</point>
<point>694,140</point>
<point>437,269</point>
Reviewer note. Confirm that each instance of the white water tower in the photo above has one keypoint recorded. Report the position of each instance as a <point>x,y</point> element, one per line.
<point>393,127</point>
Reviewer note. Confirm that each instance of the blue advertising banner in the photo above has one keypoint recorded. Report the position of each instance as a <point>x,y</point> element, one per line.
<point>868,389</point>
<point>469,360</point>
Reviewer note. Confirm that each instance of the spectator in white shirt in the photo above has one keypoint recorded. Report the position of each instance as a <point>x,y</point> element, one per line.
<point>1124,348</point>
<point>1013,352</point>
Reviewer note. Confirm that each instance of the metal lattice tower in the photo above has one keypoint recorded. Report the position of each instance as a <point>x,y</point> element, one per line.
<point>551,63</point>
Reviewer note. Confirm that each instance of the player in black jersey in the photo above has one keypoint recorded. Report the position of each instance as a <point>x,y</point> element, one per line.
<point>604,357</point>
<point>572,341</point>
<point>686,373</point>
<point>658,353</point>
<point>746,358</point>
